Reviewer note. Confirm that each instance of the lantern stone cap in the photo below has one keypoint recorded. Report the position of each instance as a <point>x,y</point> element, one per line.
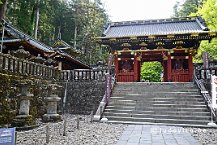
<point>25,82</point>
<point>53,99</point>
<point>54,86</point>
<point>25,96</point>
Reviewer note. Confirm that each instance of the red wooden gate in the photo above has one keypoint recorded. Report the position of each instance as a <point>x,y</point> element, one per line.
<point>180,76</point>
<point>125,77</point>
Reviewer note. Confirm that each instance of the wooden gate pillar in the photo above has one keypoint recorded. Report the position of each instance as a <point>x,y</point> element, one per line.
<point>164,64</point>
<point>139,68</point>
<point>136,68</point>
<point>169,68</point>
<point>190,66</point>
<point>116,66</point>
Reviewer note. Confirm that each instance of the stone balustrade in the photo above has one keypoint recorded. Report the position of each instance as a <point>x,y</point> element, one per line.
<point>20,66</point>
<point>85,74</point>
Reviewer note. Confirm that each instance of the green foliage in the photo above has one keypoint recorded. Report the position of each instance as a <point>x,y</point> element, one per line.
<point>205,46</point>
<point>209,13</point>
<point>151,71</point>
<point>90,19</point>
<point>185,9</point>
<point>208,10</point>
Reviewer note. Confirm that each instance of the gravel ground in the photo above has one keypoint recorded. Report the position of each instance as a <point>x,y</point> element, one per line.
<point>206,136</point>
<point>87,134</point>
<point>93,133</point>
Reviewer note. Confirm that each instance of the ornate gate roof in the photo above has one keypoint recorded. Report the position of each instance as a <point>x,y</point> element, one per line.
<point>161,31</point>
<point>156,27</point>
<point>185,32</point>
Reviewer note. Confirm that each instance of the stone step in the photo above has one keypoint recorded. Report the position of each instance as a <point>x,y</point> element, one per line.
<point>164,103</point>
<point>157,120</point>
<point>169,112</point>
<point>155,87</point>
<point>183,116</point>
<point>165,84</point>
<point>172,105</point>
<point>157,108</point>
<point>131,102</point>
<point>168,124</point>
<point>146,99</point>
<point>153,94</point>
<point>158,89</point>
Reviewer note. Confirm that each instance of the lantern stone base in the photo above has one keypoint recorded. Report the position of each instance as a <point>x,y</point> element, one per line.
<point>23,122</point>
<point>51,118</point>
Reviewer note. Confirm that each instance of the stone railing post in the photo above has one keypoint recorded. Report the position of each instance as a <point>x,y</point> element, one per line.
<point>52,99</point>
<point>23,119</point>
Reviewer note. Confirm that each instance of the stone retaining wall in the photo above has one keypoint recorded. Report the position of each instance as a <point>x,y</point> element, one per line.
<point>84,96</point>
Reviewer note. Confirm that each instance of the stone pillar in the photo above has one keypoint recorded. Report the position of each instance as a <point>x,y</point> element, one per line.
<point>23,119</point>
<point>52,99</point>
<point>60,64</point>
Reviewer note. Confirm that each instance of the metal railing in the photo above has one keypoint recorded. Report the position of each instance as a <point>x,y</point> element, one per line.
<point>204,93</point>
<point>110,82</point>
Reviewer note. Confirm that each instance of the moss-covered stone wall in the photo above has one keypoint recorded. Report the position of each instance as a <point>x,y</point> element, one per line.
<point>9,100</point>
<point>84,96</point>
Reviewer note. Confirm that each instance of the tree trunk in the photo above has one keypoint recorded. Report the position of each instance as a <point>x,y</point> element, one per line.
<point>37,20</point>
<point>3,8</point>
<point>75,36</point>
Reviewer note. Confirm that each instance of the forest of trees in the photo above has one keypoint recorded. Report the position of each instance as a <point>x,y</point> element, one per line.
<point>79,22</point>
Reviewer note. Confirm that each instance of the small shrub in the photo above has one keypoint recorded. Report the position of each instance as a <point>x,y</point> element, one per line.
<point>151,71</point>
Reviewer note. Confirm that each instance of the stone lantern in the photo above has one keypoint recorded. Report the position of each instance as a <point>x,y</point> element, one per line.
<point>38,59</point>
<point>24,119</point>
<point>21,53</point>
<point>52,99</point>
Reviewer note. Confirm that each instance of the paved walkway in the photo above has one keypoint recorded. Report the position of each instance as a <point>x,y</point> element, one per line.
<point>156,135</point>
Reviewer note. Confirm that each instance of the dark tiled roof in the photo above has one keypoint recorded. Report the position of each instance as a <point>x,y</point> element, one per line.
<point>60,44</point>
<point>20,35</point>
<point>156,27</point>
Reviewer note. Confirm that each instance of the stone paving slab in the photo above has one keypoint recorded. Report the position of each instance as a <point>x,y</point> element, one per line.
<point>156,135</point>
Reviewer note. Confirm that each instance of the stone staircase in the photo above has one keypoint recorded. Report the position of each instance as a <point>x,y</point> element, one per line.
<point>164,103</point>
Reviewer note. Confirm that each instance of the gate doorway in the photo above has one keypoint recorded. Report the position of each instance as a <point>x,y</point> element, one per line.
<point>177,66</point>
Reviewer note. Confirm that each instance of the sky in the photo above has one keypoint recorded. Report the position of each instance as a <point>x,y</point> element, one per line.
<point>128,10</point>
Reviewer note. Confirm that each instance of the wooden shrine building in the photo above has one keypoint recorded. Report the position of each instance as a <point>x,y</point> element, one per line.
<point>172,42</point>
<point>21,45</point>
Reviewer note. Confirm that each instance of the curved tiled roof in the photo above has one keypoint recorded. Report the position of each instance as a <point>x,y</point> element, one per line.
<point>20,35</point>
<point>155,27</point>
